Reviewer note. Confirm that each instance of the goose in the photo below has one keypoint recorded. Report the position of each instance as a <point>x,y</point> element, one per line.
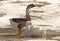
<point>22,21</point>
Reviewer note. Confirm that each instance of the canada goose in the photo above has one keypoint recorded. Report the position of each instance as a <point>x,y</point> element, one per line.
<point>21,22</point>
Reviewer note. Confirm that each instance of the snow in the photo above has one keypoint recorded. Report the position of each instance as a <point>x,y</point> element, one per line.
<point>17,11</point>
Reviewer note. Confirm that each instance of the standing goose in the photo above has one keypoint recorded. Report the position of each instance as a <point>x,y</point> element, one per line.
<point>21,22</point>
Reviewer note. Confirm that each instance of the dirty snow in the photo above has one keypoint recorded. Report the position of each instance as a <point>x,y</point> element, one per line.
<point>50,16</point>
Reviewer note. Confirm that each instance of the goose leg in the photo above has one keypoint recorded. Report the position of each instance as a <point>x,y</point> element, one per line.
<point>20,32</point>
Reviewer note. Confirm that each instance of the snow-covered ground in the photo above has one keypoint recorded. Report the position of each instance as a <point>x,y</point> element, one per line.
<point>49,19</point>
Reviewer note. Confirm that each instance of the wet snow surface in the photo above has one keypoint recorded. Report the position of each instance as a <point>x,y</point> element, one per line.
<point>48,20</point>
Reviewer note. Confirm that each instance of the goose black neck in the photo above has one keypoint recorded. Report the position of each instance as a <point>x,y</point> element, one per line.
<point>28,18</point>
